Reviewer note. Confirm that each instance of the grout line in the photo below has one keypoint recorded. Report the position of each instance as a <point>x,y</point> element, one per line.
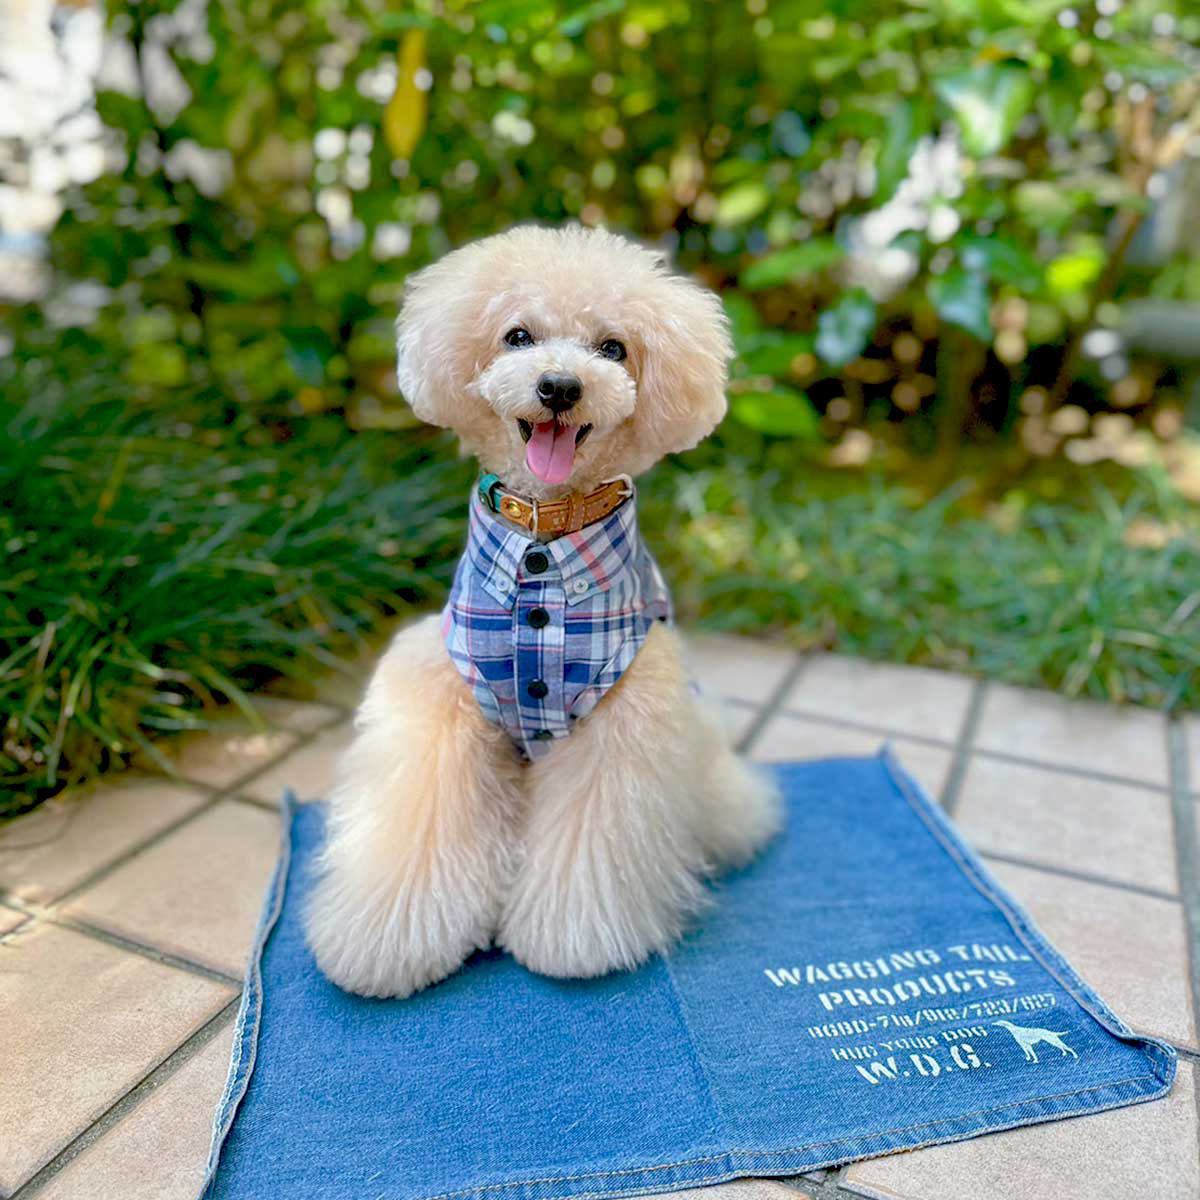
<point>119,941</point>
<point>1082,876</point>
<point>1081,772</point>
<point>882,731</point>
<point>1187,862</point>
<point>963,744</point>
<point>216,795</point>
<point>772,704</point>
<point>131,852</point>
<point>1021,760</point>
<point>271,806</point>
<point>149,1083</point>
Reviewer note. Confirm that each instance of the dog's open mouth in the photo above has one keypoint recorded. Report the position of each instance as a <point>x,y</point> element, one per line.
<point>550,448</point>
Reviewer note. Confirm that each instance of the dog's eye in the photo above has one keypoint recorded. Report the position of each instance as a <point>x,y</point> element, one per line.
<point>613,349</point>
<point>518,338</point>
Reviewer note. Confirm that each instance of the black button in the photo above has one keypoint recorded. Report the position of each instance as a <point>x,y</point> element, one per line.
<point>536,562</point>
<point>538,617</point>
<point>542,735</point>
<point>537,688</point>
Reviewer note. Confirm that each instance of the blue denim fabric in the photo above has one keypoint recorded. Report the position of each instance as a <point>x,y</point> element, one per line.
<point>839,1000</point>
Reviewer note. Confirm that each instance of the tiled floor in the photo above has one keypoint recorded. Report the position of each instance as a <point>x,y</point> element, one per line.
<point>126,916</point>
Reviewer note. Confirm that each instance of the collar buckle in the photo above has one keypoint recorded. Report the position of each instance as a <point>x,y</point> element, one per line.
<point>487,491</point>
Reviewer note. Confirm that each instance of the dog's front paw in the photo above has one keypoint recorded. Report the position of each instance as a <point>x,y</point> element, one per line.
<point>393,942</point>
<point>577,922</point>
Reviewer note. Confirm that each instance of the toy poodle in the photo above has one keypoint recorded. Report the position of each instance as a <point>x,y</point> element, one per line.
<point>533,768</point>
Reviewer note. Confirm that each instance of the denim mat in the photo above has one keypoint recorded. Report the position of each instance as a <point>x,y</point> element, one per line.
<point>864,987</point>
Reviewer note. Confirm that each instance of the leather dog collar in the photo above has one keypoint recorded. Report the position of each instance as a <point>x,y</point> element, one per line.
<point>568,515</point>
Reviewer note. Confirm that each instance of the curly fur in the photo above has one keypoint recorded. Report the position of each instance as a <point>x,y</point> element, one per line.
<point>592,858</point>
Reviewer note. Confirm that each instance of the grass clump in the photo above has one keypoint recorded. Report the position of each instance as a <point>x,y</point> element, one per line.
<point>1099,597</point>
<point>155,566</point>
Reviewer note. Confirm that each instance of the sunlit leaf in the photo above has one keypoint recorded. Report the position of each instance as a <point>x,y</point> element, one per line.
<point>988,100</point>
<point>405,113</point>
<point>1074,272</point>
<point>742,202</point>
<point>779,413</point>
<point>792,263</point>
<point>961,298</point>
<point>844,330</point>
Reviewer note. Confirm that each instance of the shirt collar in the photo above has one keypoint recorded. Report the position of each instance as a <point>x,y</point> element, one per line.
<point>589,560</point>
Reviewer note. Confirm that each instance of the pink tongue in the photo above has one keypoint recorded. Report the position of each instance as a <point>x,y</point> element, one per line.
<point>550,451</point>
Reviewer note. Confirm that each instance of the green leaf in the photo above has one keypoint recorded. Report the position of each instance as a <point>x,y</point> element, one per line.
<point>988,100</point>
<point>1142,64</point>
<point>906,124</point>
<point>779,413</point>
<point>742,202</point>
<point>792,263</point>
<point>576,21</point>
<point>1000,259</point>
<point>773,353</point>
<point>844,330</point>
<point>743,317</point>
<point>961,298</point>
<point>1076,271</point>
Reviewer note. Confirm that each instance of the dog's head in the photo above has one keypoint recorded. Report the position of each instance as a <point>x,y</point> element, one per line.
<point>563,357</point>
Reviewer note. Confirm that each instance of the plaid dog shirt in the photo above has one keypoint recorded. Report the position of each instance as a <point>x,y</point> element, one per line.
<point>541,630</point>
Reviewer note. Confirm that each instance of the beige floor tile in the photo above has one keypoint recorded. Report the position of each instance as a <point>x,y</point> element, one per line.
<point>221,758</point>
<point>786,738</point>
<point>232,745</point>
<point>308,771</point>
<point>1144,1150</point>
<point>1131,948</point>
<point>1191,740</point>
<point>84,1022</point>
<point>158,1150</point>
<point>913,700</point>
<point>736,719</point>
<point>197,893</point>
<point>1125,741</point>
<point>52,849</point>
<point>301,716</point>
<point>742,1189</point>
<point>743,668</point>
<point>1113,830</point>
<point>10,918</point>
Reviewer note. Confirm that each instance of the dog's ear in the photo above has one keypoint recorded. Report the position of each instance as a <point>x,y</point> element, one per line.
<point>430,366</point>
<point>686,350</point>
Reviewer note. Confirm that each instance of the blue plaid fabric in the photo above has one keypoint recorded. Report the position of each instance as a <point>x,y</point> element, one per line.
<point>541,630</point>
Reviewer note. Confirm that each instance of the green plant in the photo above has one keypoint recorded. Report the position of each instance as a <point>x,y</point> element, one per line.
<point>948,166</point>
<point>1094,598</point>
<point>156,564</point>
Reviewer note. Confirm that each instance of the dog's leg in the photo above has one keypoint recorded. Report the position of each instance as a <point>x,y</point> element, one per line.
<point>739,806</point>
<point>625,816</point>
<point>418,852</point>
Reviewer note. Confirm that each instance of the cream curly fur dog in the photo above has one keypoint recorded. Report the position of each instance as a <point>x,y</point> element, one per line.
<point>440,838</point>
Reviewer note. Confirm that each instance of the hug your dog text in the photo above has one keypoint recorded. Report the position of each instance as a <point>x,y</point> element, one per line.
<point>938,991</point>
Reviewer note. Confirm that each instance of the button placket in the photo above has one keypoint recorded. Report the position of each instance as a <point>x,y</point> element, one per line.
<point>540,643</point>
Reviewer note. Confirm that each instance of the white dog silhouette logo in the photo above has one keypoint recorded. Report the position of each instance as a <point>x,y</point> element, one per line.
<point>1027,1038</point>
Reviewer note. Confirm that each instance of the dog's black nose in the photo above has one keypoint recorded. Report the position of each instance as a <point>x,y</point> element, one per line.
<point>558,392</point>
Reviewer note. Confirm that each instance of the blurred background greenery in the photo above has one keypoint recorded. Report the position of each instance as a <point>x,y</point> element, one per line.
<point>956,239</point>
